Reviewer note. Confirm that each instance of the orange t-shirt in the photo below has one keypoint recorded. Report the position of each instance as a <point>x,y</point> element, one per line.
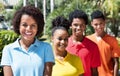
<point>108,47</point>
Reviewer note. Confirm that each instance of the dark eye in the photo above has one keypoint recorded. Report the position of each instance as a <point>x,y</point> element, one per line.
<point>95,24</point>
<point>59,38</point>
<point>24,24</point>
<point>101,23</point>
<point>82,25</point>
<point>75,25</point>
<point>66,39</point>
<point>33,26</point>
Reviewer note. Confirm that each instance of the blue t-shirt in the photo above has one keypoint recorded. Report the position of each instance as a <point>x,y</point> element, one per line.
<point>27,63</point>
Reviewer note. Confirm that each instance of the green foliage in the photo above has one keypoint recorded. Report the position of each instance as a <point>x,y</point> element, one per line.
<point>6,37</point>
<point>64,9</point>
<point>111,7</point>
<point>89,30</point>
<point>1,7</point>
<point>31,2</point>
<point>8,15</point>
<point>50,17</point>
<point>19,5</point>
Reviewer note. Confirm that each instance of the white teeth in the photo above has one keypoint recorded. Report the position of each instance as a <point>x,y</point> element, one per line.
<point>62,45</point>
<point>28,33</point>
<point>78,30</point>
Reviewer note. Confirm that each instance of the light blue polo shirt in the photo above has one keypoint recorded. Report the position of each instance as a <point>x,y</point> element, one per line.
<point>27,63</point>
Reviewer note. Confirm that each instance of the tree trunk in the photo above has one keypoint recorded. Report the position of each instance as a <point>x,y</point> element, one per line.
<point>24,2</point>
<point>51,5</point>
<point>35,3</point>
<point>44,12</point>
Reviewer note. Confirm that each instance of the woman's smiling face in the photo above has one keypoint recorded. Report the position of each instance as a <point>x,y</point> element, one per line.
<point>60,40</point>
<point>28,28</point>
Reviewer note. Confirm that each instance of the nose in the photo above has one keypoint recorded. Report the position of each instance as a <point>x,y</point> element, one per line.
<point>28,28</point>
<point>99,26</point>
<point>78,27</point>
<point>63,41</point>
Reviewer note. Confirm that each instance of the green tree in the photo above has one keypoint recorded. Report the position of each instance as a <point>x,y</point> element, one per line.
<point>6,37</point>
<point>110,8</point>
<point>1,7</point>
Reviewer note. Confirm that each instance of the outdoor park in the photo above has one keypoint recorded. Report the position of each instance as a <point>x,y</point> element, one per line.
<point>53,8</point>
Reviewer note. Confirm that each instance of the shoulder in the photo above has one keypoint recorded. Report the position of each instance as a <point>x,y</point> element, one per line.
<point>76,61</point>
<point>90,45</point>
<point>70,39</point>
<point>43,46</point>
<point>90,36</point>
<point>42,43</point>
<point>111,40</point>
<point>109,37</point>
<point>73,57</point>
<point>89,42</point>
<point>8,49</point>
<point>13,45</point>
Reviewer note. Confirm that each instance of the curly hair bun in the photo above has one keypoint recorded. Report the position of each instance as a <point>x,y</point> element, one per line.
<point>60,21</point>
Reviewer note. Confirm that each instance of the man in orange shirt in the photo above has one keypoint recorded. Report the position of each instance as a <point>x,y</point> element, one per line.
<point>108,46</point>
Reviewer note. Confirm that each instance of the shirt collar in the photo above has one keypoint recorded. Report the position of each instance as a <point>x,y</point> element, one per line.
<point>17,45</point>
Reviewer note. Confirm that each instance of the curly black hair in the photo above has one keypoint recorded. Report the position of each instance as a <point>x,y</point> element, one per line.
<point>31,11</point>
<point>97,14</point>
<point>78,14</point>
<point>60,23</point>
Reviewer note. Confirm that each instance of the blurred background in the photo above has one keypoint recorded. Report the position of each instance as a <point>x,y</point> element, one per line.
<point>53,8</point>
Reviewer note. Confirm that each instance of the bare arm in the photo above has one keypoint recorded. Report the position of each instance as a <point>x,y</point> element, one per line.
<point>48,69</point>
<point>116,66</point>
<point>94,72</point>
<point>7,71</point>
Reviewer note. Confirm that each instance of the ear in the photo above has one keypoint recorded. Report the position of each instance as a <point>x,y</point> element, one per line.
<point>85,26</point>
<point>91,23</point>
<point>70,27</point>
<point>105,21</point>
<point>52,38</point>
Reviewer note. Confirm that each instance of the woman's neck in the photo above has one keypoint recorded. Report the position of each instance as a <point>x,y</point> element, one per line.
<point>25,44</point>
<point>60,54</point>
